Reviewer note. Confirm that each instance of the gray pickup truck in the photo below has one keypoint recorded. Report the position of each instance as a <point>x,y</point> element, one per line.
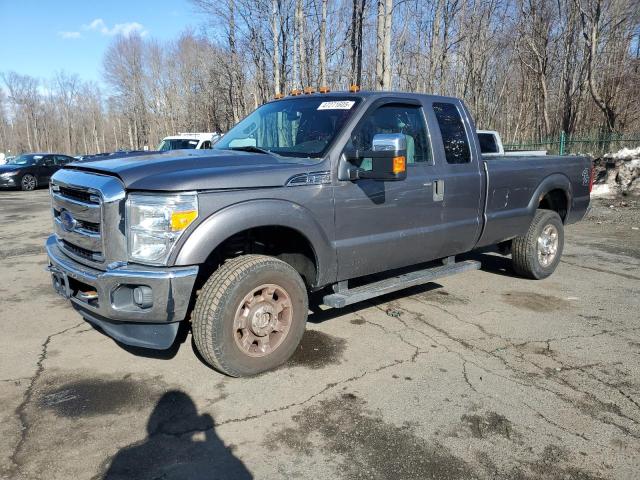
<point>351,194</point>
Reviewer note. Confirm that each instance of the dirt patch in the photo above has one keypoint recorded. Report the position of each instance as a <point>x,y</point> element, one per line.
<point>89,397</point>
<point>535,302</point>
<point>492,423</point>
<point>317,350</point>
<point>442,297</point>
<point>19,252</point>
<point>552,465</point>
<point>358,321</point>
<point>369,447</point>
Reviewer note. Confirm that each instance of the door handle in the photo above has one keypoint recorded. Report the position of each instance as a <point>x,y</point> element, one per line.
<point>438,190</point>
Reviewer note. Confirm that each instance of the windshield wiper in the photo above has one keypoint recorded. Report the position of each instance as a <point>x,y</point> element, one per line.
<point>251,148</point>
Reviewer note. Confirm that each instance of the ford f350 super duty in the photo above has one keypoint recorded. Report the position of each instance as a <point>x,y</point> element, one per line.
<point>352,194</point>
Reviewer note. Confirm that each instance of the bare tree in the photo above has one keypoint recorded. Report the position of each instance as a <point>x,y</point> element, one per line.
<point>383,44</point>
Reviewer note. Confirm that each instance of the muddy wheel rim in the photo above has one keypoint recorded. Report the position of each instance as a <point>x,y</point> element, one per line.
<point>28,182</point>
<point>548,245</point>
<point>263,320</point>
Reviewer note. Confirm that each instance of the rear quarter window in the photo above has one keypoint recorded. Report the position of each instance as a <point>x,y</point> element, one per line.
<point>454,136</point>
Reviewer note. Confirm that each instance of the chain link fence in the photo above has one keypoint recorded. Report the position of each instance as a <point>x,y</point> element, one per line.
<point>595,145</point>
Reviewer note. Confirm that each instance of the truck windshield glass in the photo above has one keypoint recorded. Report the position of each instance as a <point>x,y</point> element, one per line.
<point>24,160</point>
<point>177,144</point>
<point>297,127</point>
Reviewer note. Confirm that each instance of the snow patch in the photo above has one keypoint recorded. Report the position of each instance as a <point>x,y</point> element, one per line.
<point>617,172</point>
<point>625,153</point>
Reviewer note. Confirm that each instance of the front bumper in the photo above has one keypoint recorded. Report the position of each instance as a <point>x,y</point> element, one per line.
<point>105,298</point>
<point>10,182</point>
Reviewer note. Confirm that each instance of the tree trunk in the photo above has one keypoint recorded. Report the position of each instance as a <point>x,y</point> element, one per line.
<point>383,45</point>
<point>275,20</point>
<point>301,44</point>
<point>323,48</point>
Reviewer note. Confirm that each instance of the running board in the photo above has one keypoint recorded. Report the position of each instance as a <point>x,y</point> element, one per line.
<point>345,297</point>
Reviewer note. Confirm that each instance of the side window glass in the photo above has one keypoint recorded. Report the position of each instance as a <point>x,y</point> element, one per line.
<point>206,145</point>
<point>61,160</point>
<point>487,143</point>
<point>454,137</point>
<point>395,118</point>
<point>48,161</point>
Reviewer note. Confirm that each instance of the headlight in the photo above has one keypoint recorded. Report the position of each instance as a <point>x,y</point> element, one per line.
<point>155,223</point>
<point>8,174</point>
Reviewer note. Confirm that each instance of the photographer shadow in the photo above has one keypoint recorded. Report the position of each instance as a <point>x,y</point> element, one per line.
<point>180,444</point>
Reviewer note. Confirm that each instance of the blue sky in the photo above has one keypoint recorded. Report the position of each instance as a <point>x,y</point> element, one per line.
<point>39,38</point>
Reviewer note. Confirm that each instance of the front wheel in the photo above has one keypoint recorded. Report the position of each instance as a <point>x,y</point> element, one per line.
<point>250,315</point>
<point>537,253</point>
<point>28,182</point>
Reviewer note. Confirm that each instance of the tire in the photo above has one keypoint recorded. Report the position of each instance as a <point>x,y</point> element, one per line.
<point>28,182</point>
<point>228,301</point>
<point>537,253</point>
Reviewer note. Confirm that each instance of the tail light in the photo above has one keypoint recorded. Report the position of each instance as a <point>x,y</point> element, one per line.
<point>592,177</point>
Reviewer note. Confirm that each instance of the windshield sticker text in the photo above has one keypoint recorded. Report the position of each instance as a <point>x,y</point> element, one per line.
<point>341,105</point>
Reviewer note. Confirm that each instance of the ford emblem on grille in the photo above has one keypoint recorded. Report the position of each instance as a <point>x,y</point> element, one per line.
<point>68,222</point>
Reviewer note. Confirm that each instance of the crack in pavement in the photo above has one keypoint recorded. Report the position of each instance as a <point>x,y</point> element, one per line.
<point>20,411</point>
<point>602,270</point>
<point>419,316</point>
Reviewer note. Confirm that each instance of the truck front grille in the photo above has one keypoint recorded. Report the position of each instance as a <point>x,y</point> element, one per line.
<point>88,217</point>
<point>77,215</point>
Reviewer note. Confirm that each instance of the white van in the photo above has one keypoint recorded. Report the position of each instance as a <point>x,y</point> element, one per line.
<point>189,141</point>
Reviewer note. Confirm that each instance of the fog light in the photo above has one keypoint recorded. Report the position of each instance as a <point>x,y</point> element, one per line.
<point>143,297</point>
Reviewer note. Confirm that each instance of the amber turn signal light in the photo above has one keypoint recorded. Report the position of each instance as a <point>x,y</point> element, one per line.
<point>399,165</point>
<point>354,88</point>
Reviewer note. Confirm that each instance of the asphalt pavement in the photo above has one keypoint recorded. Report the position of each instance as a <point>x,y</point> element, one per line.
<point>482,375</point>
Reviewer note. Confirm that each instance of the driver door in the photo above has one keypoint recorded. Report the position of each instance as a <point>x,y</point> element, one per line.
<point>381,225</point>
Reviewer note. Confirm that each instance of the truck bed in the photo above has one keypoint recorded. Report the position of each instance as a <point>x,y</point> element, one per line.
<point>514,186</point>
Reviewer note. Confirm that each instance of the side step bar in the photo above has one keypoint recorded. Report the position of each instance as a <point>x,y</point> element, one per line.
<point>344,297</point>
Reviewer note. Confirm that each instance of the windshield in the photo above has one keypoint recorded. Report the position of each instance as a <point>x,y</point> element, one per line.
<point>24,160</point>
<point>297,127</point>
<point>177,144</point>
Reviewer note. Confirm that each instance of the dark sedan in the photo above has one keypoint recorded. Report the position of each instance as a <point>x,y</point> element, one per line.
<point>31,170</point>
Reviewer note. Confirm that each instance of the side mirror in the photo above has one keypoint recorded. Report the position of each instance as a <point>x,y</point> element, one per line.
<point>388,156</point>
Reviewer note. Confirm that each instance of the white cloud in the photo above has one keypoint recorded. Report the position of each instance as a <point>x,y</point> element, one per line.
<point>70,35</point>
<point>125,29</point>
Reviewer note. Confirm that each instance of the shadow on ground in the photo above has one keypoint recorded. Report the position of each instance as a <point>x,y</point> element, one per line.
<point>180,444</point>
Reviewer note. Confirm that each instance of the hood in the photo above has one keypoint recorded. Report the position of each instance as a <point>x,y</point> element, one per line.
<point>181,170</point>
<point>10,168</point>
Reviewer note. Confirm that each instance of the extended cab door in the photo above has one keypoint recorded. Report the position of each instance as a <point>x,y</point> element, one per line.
<point>461,180</point>
<point>381,225</point>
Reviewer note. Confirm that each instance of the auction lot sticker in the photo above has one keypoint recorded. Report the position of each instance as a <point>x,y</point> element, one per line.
<point>340,105</point>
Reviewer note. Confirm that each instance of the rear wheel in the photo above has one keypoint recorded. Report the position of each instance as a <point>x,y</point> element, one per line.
<point>250,315</point>
<point>28,182</point>
<point>537,253</point>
